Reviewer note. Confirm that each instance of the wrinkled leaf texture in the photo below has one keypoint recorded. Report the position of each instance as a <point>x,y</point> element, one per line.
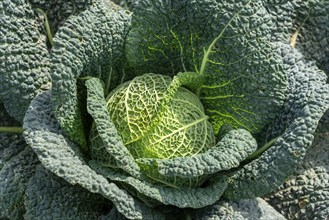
<point>307,100</point>
<point>89,44</point>
<point>244,84</point>
<point>24,60</point>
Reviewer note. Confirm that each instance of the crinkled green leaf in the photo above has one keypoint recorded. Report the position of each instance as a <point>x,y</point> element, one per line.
<point>89,44</point>
<point>305,25</point>
<point>62,157</point>
<point>10,145</point>
<point>111,144</point>
<point>58,11</point>
<point>51,197</point>
<point>244,83</point>
<point>307,100</point>
<point>180,197</point>
<point>284,15</point>
<point>233,148</point>
<point>17,166</point>
<point>240,210</point>
<point>24,62</point>
<point>305,195</point>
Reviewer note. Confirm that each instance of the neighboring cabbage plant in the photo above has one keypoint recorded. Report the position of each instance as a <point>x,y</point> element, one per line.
<point>173,110</point>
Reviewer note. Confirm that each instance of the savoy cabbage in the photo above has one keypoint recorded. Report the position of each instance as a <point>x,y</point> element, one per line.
<point>163,110</point>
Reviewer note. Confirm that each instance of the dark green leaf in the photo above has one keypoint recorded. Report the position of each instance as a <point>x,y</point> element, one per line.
<point>89,44</point>
<point>17,166</point>
<point>51,197</point>
<point>62,157</point>
<point>24,61</point>
<point>307,101</point>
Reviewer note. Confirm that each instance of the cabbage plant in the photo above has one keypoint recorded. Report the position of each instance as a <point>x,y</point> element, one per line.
<point>164,110</point>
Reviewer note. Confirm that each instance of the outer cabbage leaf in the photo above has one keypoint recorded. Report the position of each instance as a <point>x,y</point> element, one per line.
<point>244,84</point>
<point>305,195</point>
<point>10,146</point>
<point>17,166</point>
<point>51,197</point>
<point>58,11</point>
<point>256,209</point>
<point>89,44</point>
<point>23,57</point>
<point>307,100</point>
<point>305,25</point>
<point>110,145</point>
<point>234,147</point>
<point>63,158</point>
<point>181,197</point>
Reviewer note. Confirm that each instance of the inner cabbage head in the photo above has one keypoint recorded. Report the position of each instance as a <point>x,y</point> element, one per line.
<point>156,124</point>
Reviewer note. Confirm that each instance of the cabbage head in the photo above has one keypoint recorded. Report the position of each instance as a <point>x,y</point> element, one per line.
<point>155,122</point>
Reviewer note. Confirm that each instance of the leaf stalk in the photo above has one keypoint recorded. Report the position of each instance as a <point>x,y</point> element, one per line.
<point>17,130</point>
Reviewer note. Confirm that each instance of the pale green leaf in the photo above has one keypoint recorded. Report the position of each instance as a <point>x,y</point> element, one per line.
<point>136,104</point>
<point>183,130</point>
